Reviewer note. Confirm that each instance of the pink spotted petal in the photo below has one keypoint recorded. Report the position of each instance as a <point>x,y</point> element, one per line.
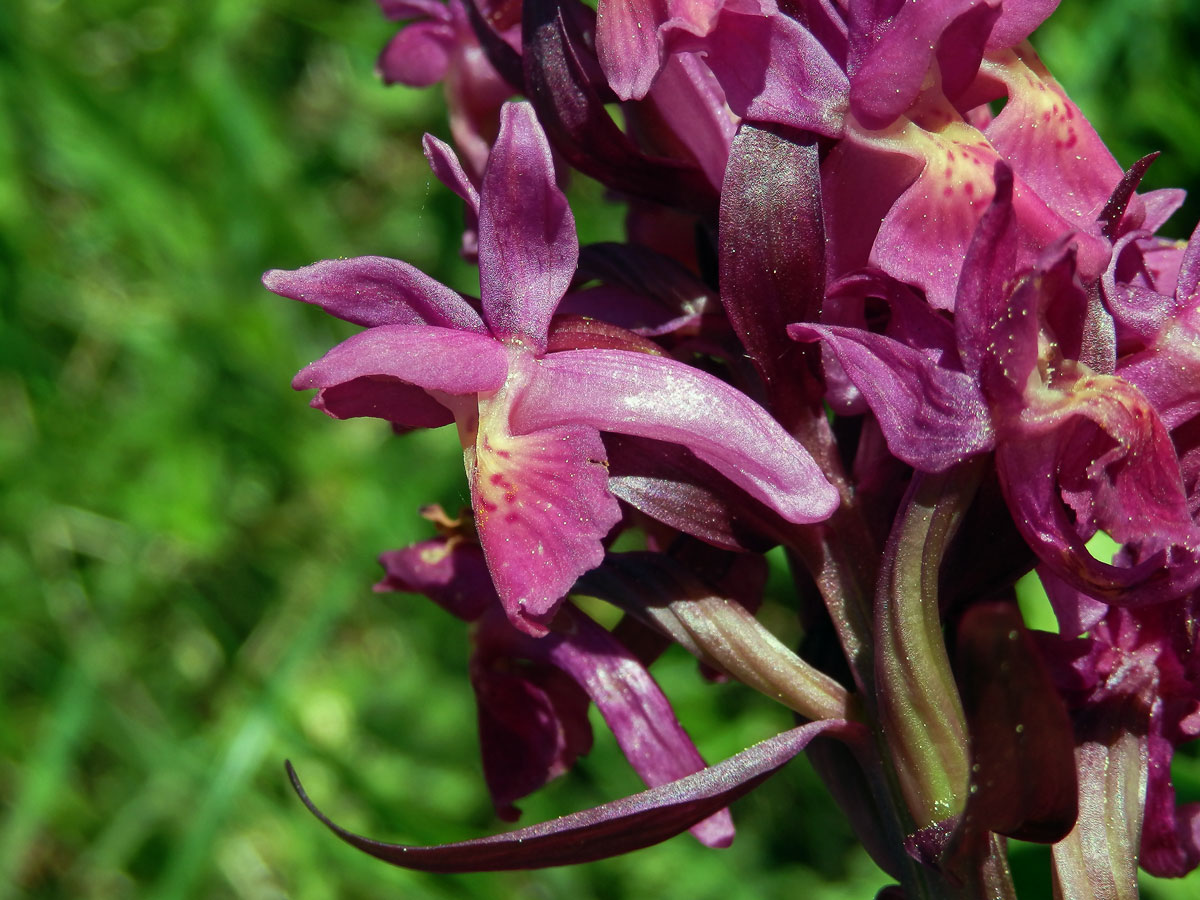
<point>542,507</point>
<point>1049,142</point>
<point>649,396</point>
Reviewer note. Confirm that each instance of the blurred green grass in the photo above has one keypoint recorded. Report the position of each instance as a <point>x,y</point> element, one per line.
<point>186,550</point>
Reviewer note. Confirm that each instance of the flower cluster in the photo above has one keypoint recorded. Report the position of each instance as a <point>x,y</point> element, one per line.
<point>887,301</point>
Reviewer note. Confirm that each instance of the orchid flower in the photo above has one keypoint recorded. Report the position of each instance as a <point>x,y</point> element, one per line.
<point>975,355</point>
<point>529,416</point>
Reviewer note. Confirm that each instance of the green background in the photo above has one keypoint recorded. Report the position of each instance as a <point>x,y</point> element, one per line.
<point>186,550</point>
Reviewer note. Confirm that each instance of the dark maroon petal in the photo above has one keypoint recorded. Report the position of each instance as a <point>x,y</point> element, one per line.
<point>668,483</point>
<point>1170,833</point>
<point>450,572</point>
<point>527,242</point>
<point>374,290</point>
<point>635,708</point>
<point>382,397</point>
<point>533,724</point>
<point>772,255</point>
<point>661,290</point>
<point>1022,742</point>
<point>1113,219</point>
<point>572,109</point>
<point>612,829</point>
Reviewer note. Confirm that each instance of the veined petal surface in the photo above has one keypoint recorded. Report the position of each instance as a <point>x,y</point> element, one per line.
<point>527,243</point>
<point>654,397</point>
<point>375,290</point>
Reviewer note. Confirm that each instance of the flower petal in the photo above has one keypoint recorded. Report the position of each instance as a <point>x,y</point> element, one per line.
<point>428,357</point>
<point>418,55</point>
<point>619,827</point>
<point>527,242</point>
<point>449,171</point>
<point>628,44</point>
<point>932,417</point>
<point>889,76</point>
<point>649,396</point>
<point>375,290</point>
<point>635,708</point>
<point>772,69</point>
<point>772,256</point>
<point>541,505</point>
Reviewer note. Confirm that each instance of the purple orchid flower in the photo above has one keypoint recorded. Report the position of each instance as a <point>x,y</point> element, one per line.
<point>530,420</point>
<point>1077,450</point>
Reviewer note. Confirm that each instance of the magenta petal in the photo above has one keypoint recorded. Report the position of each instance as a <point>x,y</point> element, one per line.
<point>773,70</point>
<point>1049,142</point>
<point>438,359</point>
<point>375,290</point>
<point>542,508</point>
<point>612,829</point>
<point>449,171</point>
<point>932,417</point>
<point>451,573</point>
<point>533,725</point>
<point>692,108</point>
<point>889,77</point>
<point>1018,20</point>
<point>418,55</point>
<point>527,243</point>
<point>382,397</point>
<point>654,397</point>
<point>628,44</point>
<point>637,711</point>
